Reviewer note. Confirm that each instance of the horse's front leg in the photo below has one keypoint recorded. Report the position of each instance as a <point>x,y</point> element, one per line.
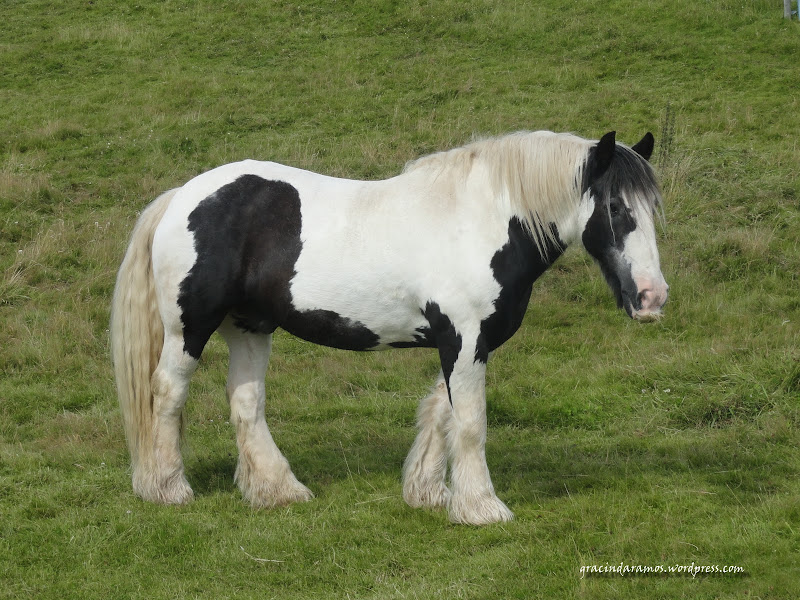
<point>473,500</point>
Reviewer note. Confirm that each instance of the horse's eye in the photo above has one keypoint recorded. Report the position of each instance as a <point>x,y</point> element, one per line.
<point>614,208</point>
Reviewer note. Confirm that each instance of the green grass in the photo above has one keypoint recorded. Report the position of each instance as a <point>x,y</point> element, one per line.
<point>613,442</point>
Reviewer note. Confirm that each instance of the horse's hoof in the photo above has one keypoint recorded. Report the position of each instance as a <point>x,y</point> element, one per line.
<point>478,510</point>
<point>431,496</point>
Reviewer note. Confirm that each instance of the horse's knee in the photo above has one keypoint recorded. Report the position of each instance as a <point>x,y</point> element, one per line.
<point>247,403</point>
<point>470,431</point>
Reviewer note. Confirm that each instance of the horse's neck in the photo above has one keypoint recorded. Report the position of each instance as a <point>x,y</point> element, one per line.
<point>471,188</point>
<point>552,233</point>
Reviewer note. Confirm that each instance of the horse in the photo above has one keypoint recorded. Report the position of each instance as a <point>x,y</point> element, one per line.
<point>443,255</point>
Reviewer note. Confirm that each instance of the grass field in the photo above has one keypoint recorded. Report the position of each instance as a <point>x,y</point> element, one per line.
<point>613,442</point>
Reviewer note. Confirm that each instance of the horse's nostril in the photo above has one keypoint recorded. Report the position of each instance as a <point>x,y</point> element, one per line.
<point>642,297</point>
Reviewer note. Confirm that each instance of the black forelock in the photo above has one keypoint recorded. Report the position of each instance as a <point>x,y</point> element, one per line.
<point>632,176</point>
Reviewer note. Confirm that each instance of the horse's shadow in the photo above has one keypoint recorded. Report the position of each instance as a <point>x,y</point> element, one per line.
<point>573,467</point>
<point>534,469</point>
<point>317,466</point>
<point>209,475</point>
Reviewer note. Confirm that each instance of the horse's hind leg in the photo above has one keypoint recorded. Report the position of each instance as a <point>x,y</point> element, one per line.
<point>162,479</point>
<point>425,468</point>
<point>262,473</point>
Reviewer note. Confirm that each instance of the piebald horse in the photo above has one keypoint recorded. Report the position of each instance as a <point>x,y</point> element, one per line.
<point>441,256</point>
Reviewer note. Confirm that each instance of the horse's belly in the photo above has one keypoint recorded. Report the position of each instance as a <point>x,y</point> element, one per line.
<point>354,320</point>
<point>329,328</point>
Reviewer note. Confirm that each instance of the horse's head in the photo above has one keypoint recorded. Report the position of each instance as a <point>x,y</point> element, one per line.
<point>622,199</point>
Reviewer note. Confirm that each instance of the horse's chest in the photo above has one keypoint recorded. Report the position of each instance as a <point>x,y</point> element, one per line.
<point>515,267</point>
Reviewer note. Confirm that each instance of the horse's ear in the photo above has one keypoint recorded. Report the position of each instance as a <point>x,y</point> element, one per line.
<point>644,147</point>
<point>602,154</point>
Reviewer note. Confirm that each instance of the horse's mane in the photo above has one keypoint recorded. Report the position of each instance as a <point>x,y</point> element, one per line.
<point>540,175</point>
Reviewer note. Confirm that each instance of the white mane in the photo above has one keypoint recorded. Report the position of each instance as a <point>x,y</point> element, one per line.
<point>539,174</point>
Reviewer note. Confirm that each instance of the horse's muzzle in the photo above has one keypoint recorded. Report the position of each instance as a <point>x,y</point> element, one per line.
<point>650,299</point>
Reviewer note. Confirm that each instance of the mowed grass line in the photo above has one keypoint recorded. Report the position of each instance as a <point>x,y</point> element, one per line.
<point>612,442</point>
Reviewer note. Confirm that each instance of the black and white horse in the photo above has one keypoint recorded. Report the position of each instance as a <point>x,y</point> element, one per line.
<point>442,256</point>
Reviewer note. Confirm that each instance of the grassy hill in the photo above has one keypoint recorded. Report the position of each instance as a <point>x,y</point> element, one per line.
<point>667,444</point>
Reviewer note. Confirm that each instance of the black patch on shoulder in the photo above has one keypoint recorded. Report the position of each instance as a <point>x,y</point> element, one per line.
<point>247,240</point>
<point>515,267</point>
<point>447,340</point>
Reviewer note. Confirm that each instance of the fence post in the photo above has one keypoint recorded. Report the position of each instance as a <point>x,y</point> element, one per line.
<point>787,9</point>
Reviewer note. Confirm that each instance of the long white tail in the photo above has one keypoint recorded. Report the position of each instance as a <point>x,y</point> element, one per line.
<point>137,336</point>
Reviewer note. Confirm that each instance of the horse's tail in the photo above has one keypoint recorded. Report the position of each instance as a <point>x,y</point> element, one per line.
<point>137,336</point>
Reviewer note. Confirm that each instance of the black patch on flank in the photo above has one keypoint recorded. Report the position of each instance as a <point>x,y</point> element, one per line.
<point>247,240</point>
<point>447,340</point>
<point>515,267</point>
